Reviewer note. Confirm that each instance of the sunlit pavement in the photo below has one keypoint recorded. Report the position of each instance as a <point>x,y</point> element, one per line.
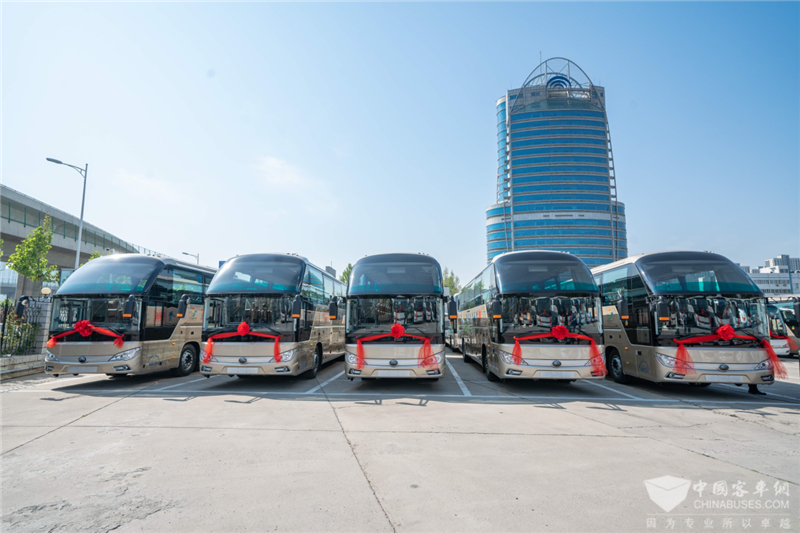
<point>159,453</point>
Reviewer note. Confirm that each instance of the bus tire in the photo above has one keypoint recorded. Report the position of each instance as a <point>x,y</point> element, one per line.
<point>615,368</point>
<point>312,372</point>
<point>491,376</point>
<point>187,361</point>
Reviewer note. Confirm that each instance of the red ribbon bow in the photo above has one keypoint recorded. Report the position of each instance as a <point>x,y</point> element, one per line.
<point>787,338</point>
<point>85,328</point>
<point>561,333</point>
<point>425,358</point>
<point>685,365</point>
<point>242,330</point>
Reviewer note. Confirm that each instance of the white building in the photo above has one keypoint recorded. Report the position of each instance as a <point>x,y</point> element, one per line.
<point>779,276</point>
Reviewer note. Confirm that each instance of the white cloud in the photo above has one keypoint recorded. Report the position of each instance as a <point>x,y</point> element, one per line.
<point>312,195</point>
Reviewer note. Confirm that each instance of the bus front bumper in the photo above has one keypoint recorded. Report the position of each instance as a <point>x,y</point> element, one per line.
<point>94,358</point>
<point>707,375</point>
<point>241,359</point>
<point>389,361</point>
<point>556,362</point>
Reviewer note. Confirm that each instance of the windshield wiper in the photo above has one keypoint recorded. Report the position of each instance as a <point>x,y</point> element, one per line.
<point>273,330</point>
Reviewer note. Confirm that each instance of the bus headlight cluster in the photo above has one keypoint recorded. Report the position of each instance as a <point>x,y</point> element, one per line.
<point>351,358</point>
<point>288,355</point>
<point>508,358</point>
<point>595,361</point>
<point>439,357</point>
<point>764,365</point>
<point>665,360</point>
<point>50,356</point>
<point>127,355</point>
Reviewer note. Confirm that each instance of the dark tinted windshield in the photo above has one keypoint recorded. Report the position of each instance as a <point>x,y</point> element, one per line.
<point>694,273</point>
<point>533,273</point>
<point>112,276</point>
<point>258,274</point>
<point>396,274</point>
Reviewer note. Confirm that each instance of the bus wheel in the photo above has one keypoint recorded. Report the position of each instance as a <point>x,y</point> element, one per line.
<point>491,376</point>
<point>312,372</point>
<point>616,371</point>
<point>187,362</point>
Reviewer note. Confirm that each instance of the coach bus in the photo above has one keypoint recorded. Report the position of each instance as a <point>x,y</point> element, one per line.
<point>395,318</point>
<point>783,325</point>
<point>271,314</point>
<point>450,330</point>
<point>685,317</point>
<point>533,315</point>
<point>128,314</point>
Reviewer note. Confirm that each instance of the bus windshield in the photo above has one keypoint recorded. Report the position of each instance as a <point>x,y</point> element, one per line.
<point>262,274</point>
<point>401,275</point>
<point>694,273</point>
<point>103,312</point>
<point>530,314</point>
<point>420,315</point>
<point>523,274</point>
<point>109,275</point>
<point>702,315</point>
<point>268,314</point>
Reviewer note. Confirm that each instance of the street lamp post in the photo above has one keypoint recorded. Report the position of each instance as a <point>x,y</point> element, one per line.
<point>83,172</point>
<point>196,256</point>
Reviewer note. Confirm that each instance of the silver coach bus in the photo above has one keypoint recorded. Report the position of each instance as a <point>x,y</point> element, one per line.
<point>271,314</point>
<point>685,317</point>
<point>128,314</point>
<point>533,315</point>
<point>395,318</point>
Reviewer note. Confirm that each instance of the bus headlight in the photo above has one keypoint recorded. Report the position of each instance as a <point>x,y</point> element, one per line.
<point>665,360</point>
<point>127,355</point>
<point>764,365</point>
<point>288,355</point>
<point>595,361</point>
<point>351,358</point>
<point>50,356</point>
<point>508,358</point>
<point>439,357</point>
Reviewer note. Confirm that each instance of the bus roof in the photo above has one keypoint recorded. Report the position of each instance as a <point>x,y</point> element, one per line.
<point>542,271</point>
<point>638,257</point>
<point>396,274</point>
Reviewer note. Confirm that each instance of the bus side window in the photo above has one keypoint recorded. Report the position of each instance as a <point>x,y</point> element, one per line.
<point>188,282</point>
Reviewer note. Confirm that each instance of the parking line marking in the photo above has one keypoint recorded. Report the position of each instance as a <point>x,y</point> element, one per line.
<point>334,378</point>
<point>613,390</point>
<point>182,383</point>
<point>458,380</point>
<point>737,389</point>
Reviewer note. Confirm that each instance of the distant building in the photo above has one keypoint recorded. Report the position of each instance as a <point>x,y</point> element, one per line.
<point>20,214</point>
<point>779,276</point>
<point>556,188</point>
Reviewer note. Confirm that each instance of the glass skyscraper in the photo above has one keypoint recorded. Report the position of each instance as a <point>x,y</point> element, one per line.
<point>556,188</point>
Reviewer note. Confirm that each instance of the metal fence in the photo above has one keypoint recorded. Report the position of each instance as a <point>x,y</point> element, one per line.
<point>18,334</point>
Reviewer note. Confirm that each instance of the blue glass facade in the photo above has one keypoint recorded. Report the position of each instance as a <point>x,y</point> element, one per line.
<point>555,176</point>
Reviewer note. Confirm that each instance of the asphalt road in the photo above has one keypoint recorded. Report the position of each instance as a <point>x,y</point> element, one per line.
<point>159,453</point>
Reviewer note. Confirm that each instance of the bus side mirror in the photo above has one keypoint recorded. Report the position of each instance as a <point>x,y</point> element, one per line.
<point>622,306</point>
<point>182,305</point>
<point>662,309</point>
<point>333,309</point>
<point>452,310</point>
<point>497,309</point>
<point>21,305</point>
<point>796,308</point>
<point>130,306</point>
<point>297,307</point>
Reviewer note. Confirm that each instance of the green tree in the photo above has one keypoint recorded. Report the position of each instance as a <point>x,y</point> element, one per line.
<point>451,281</point>
<point>93,255</point>
<point>30,257</point>
<point>2,244</point>
<point>345,276</point>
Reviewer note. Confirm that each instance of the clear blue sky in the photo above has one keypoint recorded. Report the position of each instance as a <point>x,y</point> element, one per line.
<point>341,130</point>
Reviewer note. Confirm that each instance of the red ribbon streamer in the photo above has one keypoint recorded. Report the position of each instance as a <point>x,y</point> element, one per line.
<point>787,338</point>
<point>242,330</point>
<point>425,358</point>
<point>85,328</point>
<point>560,333</point>
<point>685,365</point>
